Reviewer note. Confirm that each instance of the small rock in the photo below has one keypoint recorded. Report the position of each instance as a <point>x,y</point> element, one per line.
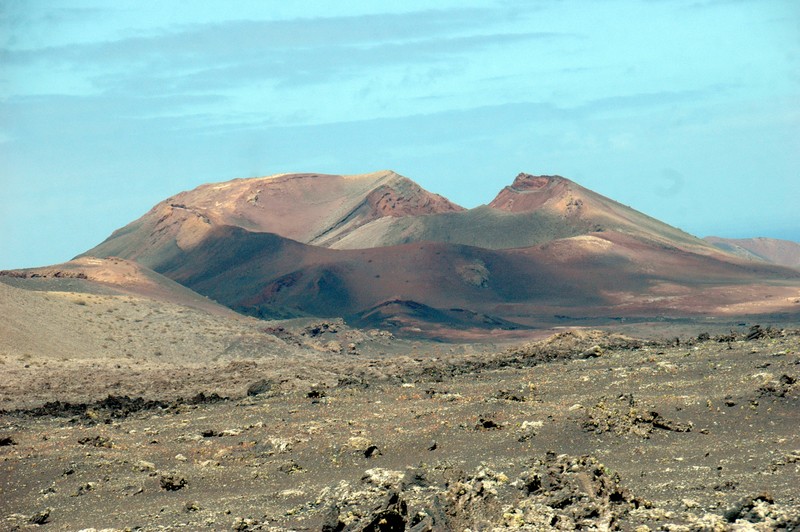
<point>743,506</point>
<point>383,478</point>
<point>180,458</point>
<point>7,440</point>
<point>592,352</point>
<point>85,488</point>
<point>97,441</point>
<point>690,503</point>
<point>487,424</point>
<point>316,394</point>
<point>241,523</point>
<point>40,518</point>
<point>143,465</point>
<point>358,444</point>
<point>172,482</point>
<point>290,467</point>
<point>259,387</point>
<point>292,492</point>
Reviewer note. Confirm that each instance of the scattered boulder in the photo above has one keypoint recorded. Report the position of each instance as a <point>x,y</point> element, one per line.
<point>244,523</point>
<point>144,466</point>
<point>83,489</point>
<point>290,467</point>
<point>372,451</point>
<point>97,441</point>
<point>778,388</point>
<point>755,333</point>
<point>191,507</point>
<point>360,445</point>
<point>391,516</point>
<point>593,352</point>
<point>259,387</point>
<point>558,492</point>
<point>318,329</point>
<point>172,482</point>
<point>622,416</point>
<point>383,478</point>
<point>507,395</point>
<point>40,518</point>
<point>762,510</point>
<point>487,424</point>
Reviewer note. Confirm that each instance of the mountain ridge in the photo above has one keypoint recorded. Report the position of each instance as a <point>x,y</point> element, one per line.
<point>368,245</point>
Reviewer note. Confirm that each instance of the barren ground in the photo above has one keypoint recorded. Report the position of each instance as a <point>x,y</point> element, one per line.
<point>583,431</point>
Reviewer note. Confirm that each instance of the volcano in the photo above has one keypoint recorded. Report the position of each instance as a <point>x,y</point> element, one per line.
<point>381,251</point>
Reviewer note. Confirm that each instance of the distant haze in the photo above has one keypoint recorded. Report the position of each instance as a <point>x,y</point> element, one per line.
<point>686,110</point>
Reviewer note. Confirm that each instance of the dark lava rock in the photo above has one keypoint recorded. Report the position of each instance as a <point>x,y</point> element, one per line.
<point>40,518</point>
<point>318,329</point>
<point>372,451</point>
<point>97,441</point>
<point>510,396</point>
<point>259,387</point>
<point>780,388</point>
<point>744,505</point>
<point>121,406</point>
<point>7,440</point>
<point>290,467</point>
<point>487,424</point>
<point>172,482</point>
<point>391,516</point>
<point>331,522</point>
<point>756,332</point>
<point>203,399</point>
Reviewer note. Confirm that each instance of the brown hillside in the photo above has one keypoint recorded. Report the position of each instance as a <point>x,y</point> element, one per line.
<point>377,248</point>
<point>531,211</point>
<point>602,276</point>
<point>775,251</point>
<point>112,276</point>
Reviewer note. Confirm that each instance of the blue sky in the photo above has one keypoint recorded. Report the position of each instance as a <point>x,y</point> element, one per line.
<point>688,110</point>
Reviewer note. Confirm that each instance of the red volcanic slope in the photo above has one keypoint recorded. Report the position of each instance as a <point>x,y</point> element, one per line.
<point>379,248</point>
<point>529,192</point>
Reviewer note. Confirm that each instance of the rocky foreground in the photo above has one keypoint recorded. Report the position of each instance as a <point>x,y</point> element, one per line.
<point>585,431</point>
